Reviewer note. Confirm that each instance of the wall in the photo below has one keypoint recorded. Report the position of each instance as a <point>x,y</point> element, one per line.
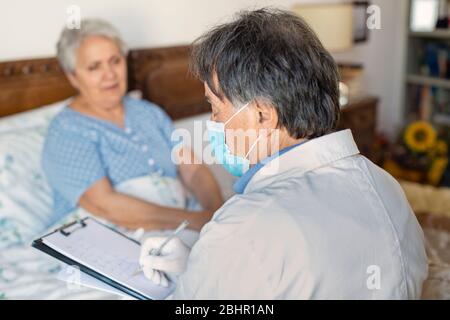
<point>30,29</point>
<point>383,58</point>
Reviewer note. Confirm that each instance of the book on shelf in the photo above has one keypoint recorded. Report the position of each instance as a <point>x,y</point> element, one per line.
<point>427,102</point>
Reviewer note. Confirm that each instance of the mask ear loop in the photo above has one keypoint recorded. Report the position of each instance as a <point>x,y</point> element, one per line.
<point>254,143</point>
<point>252,147</point>
<point>245,106</point>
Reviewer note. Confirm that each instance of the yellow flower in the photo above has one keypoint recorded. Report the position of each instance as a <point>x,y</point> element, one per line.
<point>420,136</point>
<point>437,170</point>
<point>441,148</point>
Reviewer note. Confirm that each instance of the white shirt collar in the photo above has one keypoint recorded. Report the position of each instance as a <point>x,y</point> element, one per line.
<point>315,153</point>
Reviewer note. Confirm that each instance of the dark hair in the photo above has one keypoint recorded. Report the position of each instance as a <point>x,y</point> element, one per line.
<point>274,56</point>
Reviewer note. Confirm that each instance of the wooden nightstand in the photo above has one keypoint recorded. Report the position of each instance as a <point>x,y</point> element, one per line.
<point>360,116</point>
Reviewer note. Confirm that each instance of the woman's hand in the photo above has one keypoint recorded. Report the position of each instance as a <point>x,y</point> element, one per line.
<point>101,199</point>
<point>199,218</point>
<point>200,181</point>
<point>124,210</point>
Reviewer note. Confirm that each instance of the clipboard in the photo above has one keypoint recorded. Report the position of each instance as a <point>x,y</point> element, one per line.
<point>61,245</point>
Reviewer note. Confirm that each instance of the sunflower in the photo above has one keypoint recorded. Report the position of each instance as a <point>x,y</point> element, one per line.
<point>441,148</point>
<point>437,170</point>
<point>419,136</point>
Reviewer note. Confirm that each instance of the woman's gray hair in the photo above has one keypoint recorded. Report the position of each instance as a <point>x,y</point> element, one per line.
<point>71,39</point>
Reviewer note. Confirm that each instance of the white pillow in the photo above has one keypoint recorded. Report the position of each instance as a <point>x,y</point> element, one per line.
<point>25,197</point>
<point>31,119</point>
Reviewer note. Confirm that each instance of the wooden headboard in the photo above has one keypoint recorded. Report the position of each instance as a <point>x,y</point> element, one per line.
<point>160,73</point>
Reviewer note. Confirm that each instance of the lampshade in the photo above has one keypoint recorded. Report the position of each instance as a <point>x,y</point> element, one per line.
<point>333,23</point>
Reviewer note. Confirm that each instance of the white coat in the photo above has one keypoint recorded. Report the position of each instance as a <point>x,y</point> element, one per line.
<point>319,222</point>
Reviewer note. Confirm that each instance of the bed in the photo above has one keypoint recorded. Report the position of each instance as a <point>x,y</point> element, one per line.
<point>31,93</point>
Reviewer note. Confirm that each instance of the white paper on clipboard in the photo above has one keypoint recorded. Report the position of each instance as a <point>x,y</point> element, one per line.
<point>107,252</point>
<point>83,279</point>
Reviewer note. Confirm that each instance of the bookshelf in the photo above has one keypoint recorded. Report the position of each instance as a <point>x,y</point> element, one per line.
<point>427,75</point>
<point>436,34</point>
<point>428,81</point>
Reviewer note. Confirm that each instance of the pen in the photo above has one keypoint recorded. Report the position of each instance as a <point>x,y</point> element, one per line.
<point>157,252</point>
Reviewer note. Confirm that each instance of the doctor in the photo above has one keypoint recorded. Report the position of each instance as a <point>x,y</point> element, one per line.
<point>312,218</point>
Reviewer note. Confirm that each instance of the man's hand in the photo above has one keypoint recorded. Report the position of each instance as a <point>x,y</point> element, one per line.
<point>172,260</point>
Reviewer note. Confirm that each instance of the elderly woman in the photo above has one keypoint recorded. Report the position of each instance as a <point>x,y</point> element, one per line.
<point>313,219</point>
<point>103,139</point>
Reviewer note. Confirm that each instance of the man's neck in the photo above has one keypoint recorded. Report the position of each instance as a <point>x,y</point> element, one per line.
<point>284,141</point>
<point>290,142</point>
<point>278,141</point>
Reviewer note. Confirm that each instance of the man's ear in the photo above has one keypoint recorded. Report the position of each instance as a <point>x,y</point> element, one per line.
<point>267,115</point>
<point>72,79</point>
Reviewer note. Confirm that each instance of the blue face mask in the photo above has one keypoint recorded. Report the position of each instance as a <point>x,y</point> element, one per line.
<point>235,165</point>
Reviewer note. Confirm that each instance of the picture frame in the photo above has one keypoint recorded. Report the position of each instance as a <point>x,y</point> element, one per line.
<point>360,30</point>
